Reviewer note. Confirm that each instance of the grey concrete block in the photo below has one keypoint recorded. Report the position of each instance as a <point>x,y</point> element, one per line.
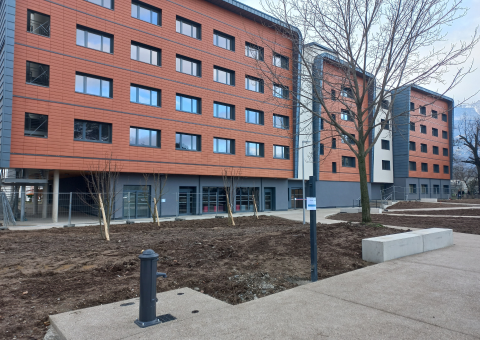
<point>385,248</point>
<point>350,210</point>
<point>435,238</point>
<point>429,200</point>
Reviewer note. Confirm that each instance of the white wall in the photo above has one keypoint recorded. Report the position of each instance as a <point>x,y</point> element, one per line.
<point>379,175</point>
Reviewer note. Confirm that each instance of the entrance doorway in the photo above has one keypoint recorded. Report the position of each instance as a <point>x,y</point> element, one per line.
<point>187,201</point>
<point>296,196</point>
<point>136,199</point>
<point>269,202</point>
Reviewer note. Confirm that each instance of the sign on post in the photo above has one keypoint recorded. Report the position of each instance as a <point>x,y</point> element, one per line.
<point>311,203</point>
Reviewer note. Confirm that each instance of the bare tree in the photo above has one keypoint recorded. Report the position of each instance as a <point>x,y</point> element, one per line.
<point>231,179</point>
<point>101,180</point>
<point>469,138</point>
<point>372,52</point>
<point>159,183</point>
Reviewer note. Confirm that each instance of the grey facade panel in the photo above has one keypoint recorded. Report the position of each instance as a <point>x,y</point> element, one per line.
<point>338,194</point>
<point>401,132</point>
<point>7,42</point>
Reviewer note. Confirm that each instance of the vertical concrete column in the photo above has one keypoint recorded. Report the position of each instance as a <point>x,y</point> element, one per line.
<point>22,204</point>
<point>35,200</point>
<point>45,197</point>
<point>56,185</point>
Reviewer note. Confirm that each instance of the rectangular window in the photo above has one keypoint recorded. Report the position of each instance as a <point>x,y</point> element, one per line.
<point>347,93</point>
<point>188,142</point>
<point>346,115</point>
<point>412,126</point>
<point>436,168</point>
<point>281,152</point>
<point>445,169</point>
<point>445,151</point>
<point>423,129</point>
<point>434,114</point>
<point>188,27</point>
<point>36,125</point>
<point>424,188</point>
<point>280,61</point>
<point>412,188</point>
<point>280,122</point>
<point>104,3</point>
<point>436,189</point>
<point>322,149</point>
<point>223,75</point>
<point>254,149</point>
<point>412,146</point>
<point>221,145</point>
<point>253,51</point>
<point>321,124</point>
<point>385,104</point>
<point>38,74</point>
<point>144,137</point>
<point>146,13</point>
<point>412,106</point>
<point>347,139</point>
<point>253,117</point>
<point>435,150</point>
<point>386,124</point>
<point>423,110</point>
<point>423,148</point>
<point>434,132</point>
<point>412,166</point>
<point>334,117</point>
<point>38,23</point>
<point>385,144</point>
<point>94,39</point>
<point>188,104</point>
<point>444,135</point>
<point>145,54</point>
<point>334,143</point>
<point>334,167</point>
<point>348,162</point>
<point>223,40</point>
<point>444,117</point>
<point>144,95</point>
<point>96,86</point>
<point>253,84</point>
<point>92,131</point>
<point>280,91</point>
<point>385,165</point>
<point>446,189</point>
<point>188,66</point>
<point>225,111</point>
<point>333,95</point>
<point>424,167</point>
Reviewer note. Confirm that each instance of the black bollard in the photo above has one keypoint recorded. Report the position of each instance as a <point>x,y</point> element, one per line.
<point>148,289</point>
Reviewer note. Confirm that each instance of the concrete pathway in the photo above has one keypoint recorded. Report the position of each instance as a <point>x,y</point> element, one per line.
<point>432,295</point>
<point>433,209</point>
<point>449,216</point>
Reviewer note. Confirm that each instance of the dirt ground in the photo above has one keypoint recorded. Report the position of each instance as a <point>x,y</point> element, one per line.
<point>463,200</point>
<point>423,205</point>
<point>458,224</point>
<point>450,212</point>
<point>57,270</point>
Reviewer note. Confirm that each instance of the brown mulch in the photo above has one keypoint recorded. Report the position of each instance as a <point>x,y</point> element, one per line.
<point>423,205</point>
<point>460,225</point>
<point>450,212</point>
<point>58,270</point>
<point>463,200</point>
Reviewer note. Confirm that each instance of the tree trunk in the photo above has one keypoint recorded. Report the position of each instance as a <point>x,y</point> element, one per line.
<point>478,179</point>
<point>362,170</point>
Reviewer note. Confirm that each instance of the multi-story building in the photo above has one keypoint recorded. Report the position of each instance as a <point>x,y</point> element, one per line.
<point>168,87</point>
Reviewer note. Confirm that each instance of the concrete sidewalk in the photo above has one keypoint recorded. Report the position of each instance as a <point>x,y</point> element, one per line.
<point>432,295</point>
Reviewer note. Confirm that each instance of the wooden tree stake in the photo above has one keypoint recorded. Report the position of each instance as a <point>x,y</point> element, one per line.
<point>104,217</point>
<point>156,210</point>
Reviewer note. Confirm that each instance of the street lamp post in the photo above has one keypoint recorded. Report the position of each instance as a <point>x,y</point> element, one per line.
<point>303,177</point>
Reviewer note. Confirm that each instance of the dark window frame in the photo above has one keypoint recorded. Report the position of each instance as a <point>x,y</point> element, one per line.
<point>434,132</point>
<point>102,125</point>
<point>260,81</point>
<point>284,61</point>
<point>198,141</point>
<point>412,126</point>
<point>159,134</point>
<point>225,36</point>
<point>435,150</point>
<point>149,7</point>
<point>284,89</point>
<point>347,92</point>
<point>39,80</point>
<point>103,1</point>
<point>334,167</point>
<point>412,106</point>
<point>423,110</point>
<point>191,23</point>
<point>386,165</point>
<point>87,30</point>
<point>434,114</point>
<point>231,144</point>
<point>385,124</point>
<point>261,117</point>
<point>444,117</point>
<point>346,113</point>
<point>423,129</point>
<point>412,166</point>
<point>285,151</point>
<point>138,87</point>
<point>347,160</point>
<point>226,70</point>
<point>444,134</point>
<point>260,51</point>
<point>261,149</point>
<point>436,168</point>
<point>232,110</point>
<point>423,148</point>
<point>282,126</point>
<point>412,146</point>
<point>424,167</point>
<point>194,61</point>
<point>40,27</point>
<point>412,188</point>
<point>446,169</point>
<point>147,47</point>
<point>445,152</point>
<point>92,76</point>
<point>28,129</point>
<point>385,142</point>
<point>199,103</point>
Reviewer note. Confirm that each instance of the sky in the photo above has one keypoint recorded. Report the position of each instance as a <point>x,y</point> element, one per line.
<point>462,29</point>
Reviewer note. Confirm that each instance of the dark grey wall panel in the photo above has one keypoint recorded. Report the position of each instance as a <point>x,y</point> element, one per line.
<point>338,194</point>
<point>401,132</point>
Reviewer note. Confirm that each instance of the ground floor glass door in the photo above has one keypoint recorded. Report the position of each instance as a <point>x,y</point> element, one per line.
<point>187,201</point>
<point>136,199</point>
<point>296,197</point>
<point>269,201</point>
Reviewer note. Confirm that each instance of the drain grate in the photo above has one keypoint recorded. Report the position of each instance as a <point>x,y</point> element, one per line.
<point>166,317</point>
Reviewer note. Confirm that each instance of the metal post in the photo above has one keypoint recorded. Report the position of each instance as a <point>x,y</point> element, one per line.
<point>303,177</point>
<point>128,201</point>
<point>313,233</point>
<point>56,184</point>
<point>148,289</point>
<point>35,200</point>
<point>70,213</point>
<point>22,203</point>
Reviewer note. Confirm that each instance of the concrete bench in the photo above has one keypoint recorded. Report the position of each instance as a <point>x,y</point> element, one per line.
<point>359,210</point>
<point>390,247</point>
<point>429,200</point>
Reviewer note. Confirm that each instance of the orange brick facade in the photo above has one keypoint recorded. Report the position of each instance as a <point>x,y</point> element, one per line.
<point>62,104</point>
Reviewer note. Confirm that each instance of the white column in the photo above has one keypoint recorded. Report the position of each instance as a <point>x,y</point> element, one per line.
<point>35,200</point>
<point>56,184</point>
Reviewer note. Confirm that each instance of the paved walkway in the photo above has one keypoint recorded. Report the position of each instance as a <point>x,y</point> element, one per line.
<point>433,295</point>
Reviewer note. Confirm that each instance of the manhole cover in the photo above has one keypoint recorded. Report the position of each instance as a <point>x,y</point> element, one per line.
<point>166,318</point>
